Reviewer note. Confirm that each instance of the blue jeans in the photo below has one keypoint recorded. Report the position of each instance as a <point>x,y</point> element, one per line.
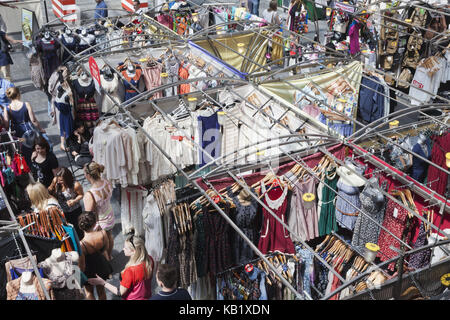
<point>253,7</point>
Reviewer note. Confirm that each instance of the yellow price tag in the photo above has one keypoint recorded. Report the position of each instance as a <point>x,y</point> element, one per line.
<point>260,153</point>
<point>221,113</point>
<point>445,279</point>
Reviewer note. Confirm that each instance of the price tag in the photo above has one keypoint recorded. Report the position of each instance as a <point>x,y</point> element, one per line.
<point>216,199</point>
<point>178,138</point>
<point>395,212</point>
<point>248,267</point>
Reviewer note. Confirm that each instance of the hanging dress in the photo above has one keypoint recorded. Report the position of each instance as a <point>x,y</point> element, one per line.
<point>152,79</point>
<point>48,51</point>
<point>274,236</point>
<point>327,220</point>
<point>65,115</point>
<point>366,227</point>
<point>218,246</point>
<point>85,43</point>
<point>70,47</point>
<point>111,87</point>
<point>86,109</point>
<point>245,219</point>
<point>130,92</point>
<point>396,220</point>
<point>183,73</point>
<point>303,221</point>
<point>347,203</point>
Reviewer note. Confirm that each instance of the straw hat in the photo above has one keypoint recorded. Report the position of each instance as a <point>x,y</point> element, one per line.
<point>349,176</point>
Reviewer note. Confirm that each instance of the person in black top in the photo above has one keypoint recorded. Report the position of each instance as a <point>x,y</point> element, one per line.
<point>78,145</point>
<point>166,278</point>
<point>44,164</point>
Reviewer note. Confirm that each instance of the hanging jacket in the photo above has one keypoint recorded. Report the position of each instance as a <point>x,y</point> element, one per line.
<point>371,99</point>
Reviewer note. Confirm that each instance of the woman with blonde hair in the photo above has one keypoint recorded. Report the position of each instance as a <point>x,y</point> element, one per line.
<point>40,197</point>
<point>136,279</point>
<point>98,200</point>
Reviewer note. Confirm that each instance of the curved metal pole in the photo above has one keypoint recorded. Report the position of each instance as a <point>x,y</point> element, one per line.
<point>387,262</point>
<point>220,211</point>
<point>299,140</point>
<point>387,194</point>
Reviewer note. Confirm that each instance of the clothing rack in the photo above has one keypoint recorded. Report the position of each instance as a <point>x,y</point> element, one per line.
<point>193,181</point>
<point>19,230</point>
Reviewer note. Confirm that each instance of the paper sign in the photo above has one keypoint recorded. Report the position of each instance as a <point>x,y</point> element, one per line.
<point>95,72</point>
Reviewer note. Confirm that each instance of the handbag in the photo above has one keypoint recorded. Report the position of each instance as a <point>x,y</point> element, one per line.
<point>30,134</point>
<point>5,46</point>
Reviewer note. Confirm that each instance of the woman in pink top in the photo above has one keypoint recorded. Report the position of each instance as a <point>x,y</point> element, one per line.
<point>136,279</point>
<point>98,200</point>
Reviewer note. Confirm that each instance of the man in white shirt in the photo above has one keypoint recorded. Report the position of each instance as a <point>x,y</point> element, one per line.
<point>137,7</point>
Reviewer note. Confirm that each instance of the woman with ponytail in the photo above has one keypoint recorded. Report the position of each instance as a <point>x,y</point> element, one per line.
<point>98,200</point>
<point>136,279</point>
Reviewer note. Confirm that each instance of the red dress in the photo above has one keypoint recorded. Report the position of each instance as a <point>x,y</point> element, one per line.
<point>183,73</point>
<point>274,237</point>
<point>396,221</point>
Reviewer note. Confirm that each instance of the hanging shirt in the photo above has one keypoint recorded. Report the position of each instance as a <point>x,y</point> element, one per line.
<point>354,38</point>
<point>371,99</point>
<point>209,132</point>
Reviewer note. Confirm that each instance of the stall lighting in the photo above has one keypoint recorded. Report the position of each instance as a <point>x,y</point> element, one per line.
<point>240,46</point>
<point>308,200</point>
<point>393,124</point>
<point>195,17</point>
<point>192,101</point>
<point>371,251</point>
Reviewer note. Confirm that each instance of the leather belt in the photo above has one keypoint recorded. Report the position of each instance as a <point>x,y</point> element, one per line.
<point>348,214</point>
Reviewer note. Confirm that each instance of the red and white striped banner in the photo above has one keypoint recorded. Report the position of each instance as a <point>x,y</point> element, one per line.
<point>63,8</point>
<point>128,5</point>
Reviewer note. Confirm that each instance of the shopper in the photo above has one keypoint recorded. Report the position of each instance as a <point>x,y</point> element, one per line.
<point>5,57</point>
<point>4,101</point>
<point>44,163</point>
<point>253,7</point>
<point>294,17</point>
<point>136,279</point>
<point>39,197</point>
<point>271,14</point>
<point>97,200</point>
<point>94,260</point>
<point>78,144</point>
<point>69,193</point>
<point>101,11</point>
<point>167,278</point>
<point>20,113</point>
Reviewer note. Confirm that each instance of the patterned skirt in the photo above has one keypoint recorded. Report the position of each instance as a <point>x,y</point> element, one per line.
<point>87,110</point>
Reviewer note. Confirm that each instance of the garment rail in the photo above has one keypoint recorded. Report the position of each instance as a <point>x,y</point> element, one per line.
<point>25,243</point>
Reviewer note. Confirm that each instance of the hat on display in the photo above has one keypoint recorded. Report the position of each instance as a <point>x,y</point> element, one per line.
<point>349,175</point>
